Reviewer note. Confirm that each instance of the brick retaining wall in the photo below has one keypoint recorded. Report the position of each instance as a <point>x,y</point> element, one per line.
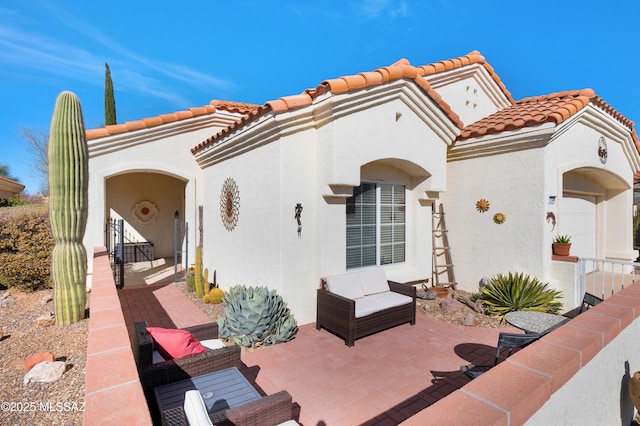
<point>113,393</point>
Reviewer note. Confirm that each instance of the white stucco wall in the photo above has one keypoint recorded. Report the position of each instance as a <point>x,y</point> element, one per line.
<point>317,166</point>
<point>573,159</point>
<point>164,149</point>
<point>470,91</point>
<point>597,394</point>
<point>524,175</point>
<point>513,185</point>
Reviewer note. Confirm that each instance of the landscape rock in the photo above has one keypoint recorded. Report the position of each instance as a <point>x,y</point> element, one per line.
<point>8,302</point>
<point>4,295</point>
<point>45,320</point>
<point>46,372</point>
<point>426,308</point>
<point>32,360</point>
<point>450,305</point>
<point>469,320</point>
<point>47,298</point>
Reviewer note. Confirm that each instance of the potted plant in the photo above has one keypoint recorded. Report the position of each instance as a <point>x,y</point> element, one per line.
<point>561,245</point>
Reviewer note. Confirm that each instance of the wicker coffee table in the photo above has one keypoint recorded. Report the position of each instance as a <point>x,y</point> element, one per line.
<point>220,390</point>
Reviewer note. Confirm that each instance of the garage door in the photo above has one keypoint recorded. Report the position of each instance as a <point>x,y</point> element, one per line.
<point>578,219</point>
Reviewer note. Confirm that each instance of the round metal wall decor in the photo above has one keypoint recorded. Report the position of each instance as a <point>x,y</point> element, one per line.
<point>602,150</point>
<point>145,212</point>
<point>499,218</point>
<point>482,205</point>
<point>229,204</point>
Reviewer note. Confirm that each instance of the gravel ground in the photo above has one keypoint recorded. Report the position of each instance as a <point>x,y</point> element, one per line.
<point>432,309</point>
<point>57,403</point>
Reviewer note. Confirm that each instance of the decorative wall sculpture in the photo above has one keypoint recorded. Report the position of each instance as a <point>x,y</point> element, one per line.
<point>499,218</point>
<point>482,205</point>
<point>229,204</point>
<point>145,212</point>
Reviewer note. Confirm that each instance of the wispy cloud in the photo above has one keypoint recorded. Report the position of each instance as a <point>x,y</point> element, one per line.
<point>33,52</point>
<point>389,8</point>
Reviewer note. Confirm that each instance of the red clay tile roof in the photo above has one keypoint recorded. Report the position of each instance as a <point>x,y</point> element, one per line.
<point>236,107</point>
<point>400,70</point>
<point>555,107</point>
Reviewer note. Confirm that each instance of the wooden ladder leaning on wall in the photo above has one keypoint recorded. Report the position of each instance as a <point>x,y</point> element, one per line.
<point>443,274</point>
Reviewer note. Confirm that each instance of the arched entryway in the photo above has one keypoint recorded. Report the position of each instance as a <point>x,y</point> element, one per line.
<point>148,203</point>
<point>593,210</point>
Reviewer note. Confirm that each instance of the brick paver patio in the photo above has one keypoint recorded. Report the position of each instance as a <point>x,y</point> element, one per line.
<point>384,379</point>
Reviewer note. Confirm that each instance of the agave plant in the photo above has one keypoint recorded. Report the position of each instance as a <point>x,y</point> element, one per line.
<point>519,292</point>
<point>255,316</point>
<point>562,239</point>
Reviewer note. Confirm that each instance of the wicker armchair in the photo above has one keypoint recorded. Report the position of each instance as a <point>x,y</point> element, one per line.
<point>153,375</point>
<point>270,410</point>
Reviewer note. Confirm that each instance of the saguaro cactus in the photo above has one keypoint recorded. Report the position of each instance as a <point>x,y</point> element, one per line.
<point>199,277</point>
<point>68,180</point>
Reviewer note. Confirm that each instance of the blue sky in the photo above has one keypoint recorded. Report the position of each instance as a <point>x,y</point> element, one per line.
<point>167,56</point>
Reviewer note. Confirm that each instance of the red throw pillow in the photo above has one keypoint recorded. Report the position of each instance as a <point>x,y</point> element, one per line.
<point>172,343</point>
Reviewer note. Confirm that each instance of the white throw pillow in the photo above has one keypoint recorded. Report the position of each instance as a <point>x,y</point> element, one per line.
<point>374,281</point>
<point>195,410</point>
<point>345,285</point>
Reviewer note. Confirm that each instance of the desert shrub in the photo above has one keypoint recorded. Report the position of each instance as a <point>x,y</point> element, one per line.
<point>256,316</point>
<point>519,292</point>
<point>12,202</point>
<point>636,230</point>
<point>26,243</point>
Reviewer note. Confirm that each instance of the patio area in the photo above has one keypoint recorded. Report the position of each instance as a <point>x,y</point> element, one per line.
<point>384,379</point>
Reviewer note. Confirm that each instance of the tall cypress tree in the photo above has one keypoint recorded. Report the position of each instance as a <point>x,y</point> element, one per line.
<point>109,99</point>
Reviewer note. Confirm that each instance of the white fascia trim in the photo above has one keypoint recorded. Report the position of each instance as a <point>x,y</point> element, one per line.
<point>614,131</point>
<point>323,110</point>
<point>408,92</point>
<point>479,74</point>
<point>110,144</point>
<point>500,143</point>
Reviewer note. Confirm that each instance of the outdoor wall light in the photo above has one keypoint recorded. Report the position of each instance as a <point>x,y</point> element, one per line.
<point>298,217</point>
<point>552,199</point>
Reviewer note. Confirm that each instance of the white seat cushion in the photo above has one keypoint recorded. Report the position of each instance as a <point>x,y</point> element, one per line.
<point>373,281</point>
<point>345,285</point>
<point>367,306</point>
<point>212,343</point>
<point>194,409</point>
<point>390,299</point>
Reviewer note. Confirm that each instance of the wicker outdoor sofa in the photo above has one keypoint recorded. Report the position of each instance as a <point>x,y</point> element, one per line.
<point>268,410</point>
<point>358,304</point>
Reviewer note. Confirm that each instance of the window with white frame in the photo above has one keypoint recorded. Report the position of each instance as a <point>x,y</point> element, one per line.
<point>376,225</point>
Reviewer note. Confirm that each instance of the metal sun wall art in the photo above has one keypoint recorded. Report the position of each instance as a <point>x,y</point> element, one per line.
<point>499,218</point>
<point>482,205</point>
<point>145,212</point>
<point>229,204</point>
